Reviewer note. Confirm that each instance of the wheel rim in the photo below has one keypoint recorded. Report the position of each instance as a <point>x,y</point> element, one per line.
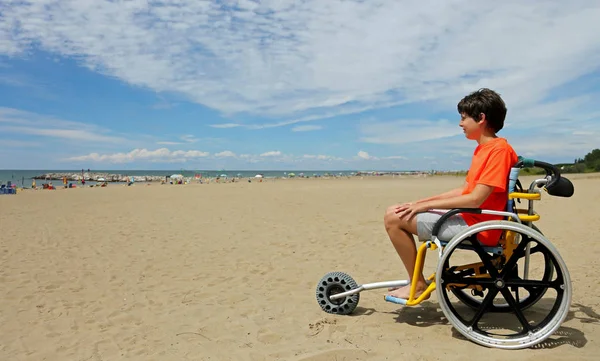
<point>331,284</point>
<point>527,333</point>
<point>334,290</point>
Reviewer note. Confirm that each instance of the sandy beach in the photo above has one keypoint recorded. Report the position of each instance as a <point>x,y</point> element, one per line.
<point>228,272</point>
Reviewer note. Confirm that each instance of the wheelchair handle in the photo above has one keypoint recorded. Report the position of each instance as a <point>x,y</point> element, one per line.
<point>530,163</point>
<point>438,225</point>
<point>550,169</point>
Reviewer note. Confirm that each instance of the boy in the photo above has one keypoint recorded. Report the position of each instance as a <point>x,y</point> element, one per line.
<point>482,116</point>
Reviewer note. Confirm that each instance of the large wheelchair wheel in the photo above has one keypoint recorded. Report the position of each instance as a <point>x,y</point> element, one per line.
<point>473,298</point>
<point>550,289</point>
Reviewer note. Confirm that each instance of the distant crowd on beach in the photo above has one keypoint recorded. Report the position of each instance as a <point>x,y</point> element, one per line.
<point>51,181</point>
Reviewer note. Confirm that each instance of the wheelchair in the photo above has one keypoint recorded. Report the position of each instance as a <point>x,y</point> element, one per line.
<point>479,286</point>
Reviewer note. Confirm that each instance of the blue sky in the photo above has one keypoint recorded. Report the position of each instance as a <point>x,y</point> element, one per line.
<point>323,85</point>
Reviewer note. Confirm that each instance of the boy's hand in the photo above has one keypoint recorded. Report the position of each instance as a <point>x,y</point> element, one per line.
<point>398,206</point>
<point>408,203</point>
<point>409,210</point>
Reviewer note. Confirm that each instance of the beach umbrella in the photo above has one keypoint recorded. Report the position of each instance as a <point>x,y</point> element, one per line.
<point>101,179</point>
<point>258,176</point>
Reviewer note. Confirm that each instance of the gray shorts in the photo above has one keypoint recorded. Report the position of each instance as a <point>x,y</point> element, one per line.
<point>451,227</point>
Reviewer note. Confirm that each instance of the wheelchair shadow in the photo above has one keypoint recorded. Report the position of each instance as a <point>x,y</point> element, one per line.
<point>362,311</point>
<point>429,314</point>
<point>425,315</point>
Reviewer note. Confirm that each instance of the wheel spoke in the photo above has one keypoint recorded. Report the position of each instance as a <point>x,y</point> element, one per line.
<point>530,283</point>
<point>493,272</point>
<point>450,278</point>
<point>513,304</point>
<point>487,302</point>
<point>518,253</point>
<point>537,249</point>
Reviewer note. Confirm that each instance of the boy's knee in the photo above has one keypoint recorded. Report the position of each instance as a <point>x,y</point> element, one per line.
<point>389,209</point>
<point>391,218</point>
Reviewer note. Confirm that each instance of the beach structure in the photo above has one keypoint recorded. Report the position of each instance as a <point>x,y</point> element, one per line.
<point>176,178</point>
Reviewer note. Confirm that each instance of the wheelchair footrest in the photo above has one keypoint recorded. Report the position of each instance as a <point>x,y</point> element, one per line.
<point>400,301</point>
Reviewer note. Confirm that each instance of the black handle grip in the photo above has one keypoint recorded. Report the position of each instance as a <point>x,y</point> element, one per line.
<point>450,213</point>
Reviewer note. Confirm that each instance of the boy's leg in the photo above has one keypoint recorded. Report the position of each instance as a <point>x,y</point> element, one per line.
<point>401,232</point>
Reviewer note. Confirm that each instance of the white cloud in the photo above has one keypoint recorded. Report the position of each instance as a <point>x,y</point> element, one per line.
<point>274,153</point>
<point>321,157</point>
<point>11,143</point>
<point>283,57</point>
<point>189,138</point>
<point>554,142</point>
<point>225,154</point>
<point>72,134</point>
<point>168,143</point>
<point>226,125</point>
<point>341,110</point>
<point>407,131</point>
<point>22,122</point>
<point>364,155</point>
<point>190,154</point>
<point>306,128</point>
<point>158,155</point>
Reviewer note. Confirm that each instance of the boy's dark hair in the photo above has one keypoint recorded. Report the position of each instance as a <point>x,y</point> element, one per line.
<point>484,101</point>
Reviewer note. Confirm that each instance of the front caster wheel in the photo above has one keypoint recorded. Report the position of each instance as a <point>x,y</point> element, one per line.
<point>334,283</point>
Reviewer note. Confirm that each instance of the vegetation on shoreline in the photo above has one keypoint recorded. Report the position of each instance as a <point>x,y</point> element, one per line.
<point>588,164</point>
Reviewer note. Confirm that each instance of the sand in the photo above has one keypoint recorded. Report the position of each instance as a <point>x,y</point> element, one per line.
<point>228,272</point>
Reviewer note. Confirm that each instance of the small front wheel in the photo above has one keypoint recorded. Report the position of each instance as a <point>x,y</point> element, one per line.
<point>334,283</point>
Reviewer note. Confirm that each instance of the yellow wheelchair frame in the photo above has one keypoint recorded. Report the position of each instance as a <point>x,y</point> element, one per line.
<point>507,242</point>
<point>338,293</point>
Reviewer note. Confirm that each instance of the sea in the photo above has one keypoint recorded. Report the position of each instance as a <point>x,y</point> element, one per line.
<point>23,178</point>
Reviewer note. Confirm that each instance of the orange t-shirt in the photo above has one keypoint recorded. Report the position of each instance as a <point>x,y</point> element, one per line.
<point>490,165</point>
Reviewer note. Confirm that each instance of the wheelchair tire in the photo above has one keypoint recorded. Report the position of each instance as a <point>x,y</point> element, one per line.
<point>475,301</point>
<point>480,325</point>
<point>333,283</point>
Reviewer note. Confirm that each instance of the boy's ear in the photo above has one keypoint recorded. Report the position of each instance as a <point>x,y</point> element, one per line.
<point>482,118</point>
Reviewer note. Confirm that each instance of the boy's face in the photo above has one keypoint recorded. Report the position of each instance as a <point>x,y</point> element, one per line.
<point>471,127</point>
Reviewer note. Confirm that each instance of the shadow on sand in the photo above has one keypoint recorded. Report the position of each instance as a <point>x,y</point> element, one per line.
<point>429,314</point>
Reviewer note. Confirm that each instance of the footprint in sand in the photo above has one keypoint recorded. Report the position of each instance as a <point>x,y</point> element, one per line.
<point>317,327</point>
<point>267,337</point>
<point>336,354</point>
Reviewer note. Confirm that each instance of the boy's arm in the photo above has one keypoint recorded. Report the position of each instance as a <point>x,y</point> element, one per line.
<point>470,200</point>
<point>450,194</point>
